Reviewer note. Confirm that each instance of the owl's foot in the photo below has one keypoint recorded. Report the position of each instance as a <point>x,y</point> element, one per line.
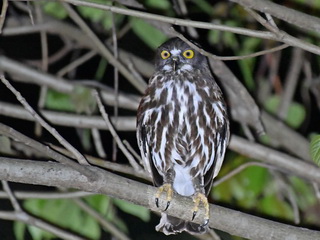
<point>197,199</point>
<point>164,188</point>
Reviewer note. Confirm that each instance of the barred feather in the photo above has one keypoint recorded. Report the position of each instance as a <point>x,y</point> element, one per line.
<point>183,131</point>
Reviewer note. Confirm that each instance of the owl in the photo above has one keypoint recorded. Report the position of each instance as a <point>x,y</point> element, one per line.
<point>182,131</point>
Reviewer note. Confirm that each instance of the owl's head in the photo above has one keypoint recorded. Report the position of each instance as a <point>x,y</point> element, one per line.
<point>176,56</point>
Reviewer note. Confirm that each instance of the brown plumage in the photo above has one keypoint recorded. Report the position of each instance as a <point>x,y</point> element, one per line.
<point>182,130</point>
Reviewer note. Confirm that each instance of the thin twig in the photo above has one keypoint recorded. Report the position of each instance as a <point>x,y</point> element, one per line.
<point>290,40</point>
<point>3,14</point>
<point>104,51</point>
<point>10,132</point>
<point>134,153</point>
<point>44,64</point>
<point>285,190</point>
<point>43,123</point>
<point>115,83</point>
<point>30,220</point>
<point>112,166</point>
<point>302,20</point>
<point>72,65</point>
<point>271,20</point>
<point>46,195</point>
<point>67,119</point>
<point>264,22</point>
<point>291,82</point>
<point>174,21</point>
<point>238,170</point>
<point>316,189</point>
<point>98,143</point>
<point>181,9</point>
<point>283,162</point>
<point>228,58</point>
<point>30,12</point>
<point>115,135</point>
<point>101,219</point>
<point>11,196</point>
<point>25,74</point>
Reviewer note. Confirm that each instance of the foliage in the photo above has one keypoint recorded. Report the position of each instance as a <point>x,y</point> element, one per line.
<point>253,189</point>
<point>149,34</point>
<point>315,149</point>
<point>295,115</point>
<point>249,188</point>
<point>66,214</point>
<point>63,213</point>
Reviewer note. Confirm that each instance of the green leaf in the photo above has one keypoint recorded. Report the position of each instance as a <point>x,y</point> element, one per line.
<point>94,14</point>
<point>245,187</point>
<point>37,233</point>
<point>305,196</point>
<point>163,4</point>
<point>112,217</point>
<point>55,9</point>
<point>100,203</point>
<point>315,149</point>
<point>148,34</point>
<point>59,101</point>
<point>5,145</point>
<point>249,45</point>
<point>214,36</point>
<point>296,112</point>
<point>83,100</point>
<point>204,6</point>
<point>19,230</point>
<point>273,206</point>
<point>136,210</point>
<point>101,69</point>
<point>63,213</point>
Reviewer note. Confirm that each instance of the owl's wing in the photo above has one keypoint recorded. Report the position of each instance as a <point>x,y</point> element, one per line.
<point>143,136</point>
<point>221,142</point>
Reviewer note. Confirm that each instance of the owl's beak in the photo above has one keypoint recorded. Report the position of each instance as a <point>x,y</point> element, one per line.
<point>175,61</point>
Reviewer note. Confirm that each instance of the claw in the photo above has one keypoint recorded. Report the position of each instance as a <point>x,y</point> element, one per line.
<point>200,197</point>
<point>206,222</point>
<point>194,215</point>
<point>167,188</point>
<point>168,204</point>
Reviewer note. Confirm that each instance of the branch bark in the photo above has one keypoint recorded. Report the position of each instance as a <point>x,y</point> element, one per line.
<point>54,174</point>
<point>302,20</point>
<point>283,161</point>
<point>26,74</point>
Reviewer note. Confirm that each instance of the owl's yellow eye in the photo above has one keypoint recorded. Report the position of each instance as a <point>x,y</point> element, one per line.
<point>188,53</point>
<point>165,54</point>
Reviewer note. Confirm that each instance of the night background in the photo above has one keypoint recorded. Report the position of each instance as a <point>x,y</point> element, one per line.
<point>50,52</point>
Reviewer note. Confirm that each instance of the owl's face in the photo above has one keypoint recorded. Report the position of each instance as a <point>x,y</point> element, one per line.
<point>176,56</point>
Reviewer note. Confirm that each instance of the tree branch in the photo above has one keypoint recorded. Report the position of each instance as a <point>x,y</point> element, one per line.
<point>283,161</point>
<point>197,24</point>
<point>302,20</point>
<point>68,119</point>
<point>54,174</point>
<point>29,75</point>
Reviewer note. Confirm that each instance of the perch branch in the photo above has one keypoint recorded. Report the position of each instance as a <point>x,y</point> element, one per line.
<point>115,186</point>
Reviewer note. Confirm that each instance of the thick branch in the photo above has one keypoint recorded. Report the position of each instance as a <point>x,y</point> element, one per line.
<point>68,119</point>
<point>302,20</point>
<point>29,75</point>
<point>53,174</point>
<point>283,161</point>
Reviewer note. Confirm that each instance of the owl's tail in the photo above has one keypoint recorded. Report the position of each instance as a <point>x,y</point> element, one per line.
<point>172,225</point>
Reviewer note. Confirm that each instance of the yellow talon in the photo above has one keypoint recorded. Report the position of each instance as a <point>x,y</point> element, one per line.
<point>167,188</point>
<point>197,199</point>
